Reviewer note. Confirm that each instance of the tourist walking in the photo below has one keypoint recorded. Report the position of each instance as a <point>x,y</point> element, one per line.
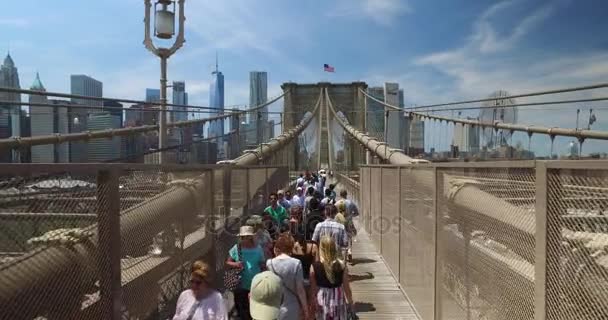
<point>350,212</point>
<point>266,296</point>
<point>330,227</point>
<point>298,198</point>
<point>277,212</point>
<point>330,288</point>
<point>247,257</point>
<point>313,218</point>
<point>283,202</point>
<point>307,253</point>
<point>290,271</point>
<point>201,301</point>
<point>262,236</point>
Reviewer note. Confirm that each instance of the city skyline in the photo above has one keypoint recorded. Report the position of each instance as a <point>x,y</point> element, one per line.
<point>514,45</point>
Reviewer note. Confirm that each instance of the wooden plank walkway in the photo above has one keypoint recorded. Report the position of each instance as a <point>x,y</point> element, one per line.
<point>376,293</point>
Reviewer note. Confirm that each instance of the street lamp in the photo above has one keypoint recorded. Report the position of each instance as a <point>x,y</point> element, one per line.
<point>164,28</point>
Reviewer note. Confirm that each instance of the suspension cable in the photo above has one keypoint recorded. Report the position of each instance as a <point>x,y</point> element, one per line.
<point>530,129</point>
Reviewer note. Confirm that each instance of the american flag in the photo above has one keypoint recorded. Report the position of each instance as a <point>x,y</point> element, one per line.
<point>328,68</point>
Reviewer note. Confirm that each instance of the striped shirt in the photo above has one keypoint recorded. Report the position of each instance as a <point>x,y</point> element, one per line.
<point>331,228</point>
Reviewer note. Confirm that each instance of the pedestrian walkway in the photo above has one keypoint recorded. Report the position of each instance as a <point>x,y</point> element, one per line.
<point>376,293</point>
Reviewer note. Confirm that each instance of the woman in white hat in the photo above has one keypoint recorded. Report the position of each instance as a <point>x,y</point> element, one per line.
<point>248,257</point>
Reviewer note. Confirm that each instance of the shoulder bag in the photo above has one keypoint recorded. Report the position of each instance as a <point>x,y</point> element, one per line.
<point>232,276</point>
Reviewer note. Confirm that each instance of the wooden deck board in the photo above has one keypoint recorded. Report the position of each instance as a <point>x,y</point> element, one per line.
<point>376,293</point>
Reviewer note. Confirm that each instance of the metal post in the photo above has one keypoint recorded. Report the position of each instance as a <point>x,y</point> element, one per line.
<point>540,260</point>
<point>227,191</point>
<point>108,259</point>
<point>258,126</point>
<point>238,135</point>
<point>385,130</point>
<point>162,124</point>
<point>437,271</point>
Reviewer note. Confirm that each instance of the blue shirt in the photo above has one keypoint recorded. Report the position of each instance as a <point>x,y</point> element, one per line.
<point>285,203</point>
<point>252,260</point>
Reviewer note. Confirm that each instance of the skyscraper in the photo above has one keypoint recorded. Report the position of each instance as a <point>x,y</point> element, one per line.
<point>180,96</point>
<point>84,86</point>
<point>42,120</point>
<point>152,95</point>
<point>216,100</point>
<point>47,121</point>
<point>375,112</point>
<point>416,137</point>
<point>398,125</point>
<point>10,115</point>
<point>115,108</point>
<point>258,94</point>
<point>104,149</point>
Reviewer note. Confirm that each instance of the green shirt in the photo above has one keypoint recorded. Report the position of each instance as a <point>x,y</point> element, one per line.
<point>278,215</point>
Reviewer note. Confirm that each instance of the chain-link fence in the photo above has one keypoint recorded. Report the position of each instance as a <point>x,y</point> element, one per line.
<point>505,240</point>
<point>114,241</point>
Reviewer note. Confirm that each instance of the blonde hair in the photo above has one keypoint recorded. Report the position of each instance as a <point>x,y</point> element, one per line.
<point>202,270</point>
<point>198,264</point>
<point>328,252</point>
<point>340,218</point>
<point>341,206</point>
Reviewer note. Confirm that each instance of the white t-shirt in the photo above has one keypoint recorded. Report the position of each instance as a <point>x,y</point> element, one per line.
<point>211,307</point>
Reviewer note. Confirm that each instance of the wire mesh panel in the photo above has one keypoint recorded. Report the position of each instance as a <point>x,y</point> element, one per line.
<point>375,207</point>
<point>138,230</point>
<point>417,239</point>
<point>257,190</point>
<point>365,197</point>
<point>389,221</point>
<point>44,219</point>
<point>161,236</point>
<point>239,191</point>
<point>486,243</point>
<point>577,259</point>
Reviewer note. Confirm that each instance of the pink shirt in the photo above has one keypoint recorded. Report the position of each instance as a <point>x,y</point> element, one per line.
<point>211,307</point>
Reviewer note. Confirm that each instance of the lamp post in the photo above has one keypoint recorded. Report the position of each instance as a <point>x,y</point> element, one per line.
<point>164,28</point>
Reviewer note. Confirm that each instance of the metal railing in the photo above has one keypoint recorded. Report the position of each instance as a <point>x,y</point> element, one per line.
<point>456,263</point>
<point>116,240</point>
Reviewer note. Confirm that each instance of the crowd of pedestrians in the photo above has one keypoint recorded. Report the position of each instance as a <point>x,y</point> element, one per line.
<point>291,259</point>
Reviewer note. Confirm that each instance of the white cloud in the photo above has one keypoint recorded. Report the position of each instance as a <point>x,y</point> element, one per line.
<point>383,12</point>
<point>477,67</point>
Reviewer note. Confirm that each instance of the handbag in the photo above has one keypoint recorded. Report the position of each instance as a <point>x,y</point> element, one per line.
<point>232,276</point>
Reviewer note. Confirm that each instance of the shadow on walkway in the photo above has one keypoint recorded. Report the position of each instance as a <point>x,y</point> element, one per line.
<point>357,261</point>
<point>361,307</point>
<point>360,277</point>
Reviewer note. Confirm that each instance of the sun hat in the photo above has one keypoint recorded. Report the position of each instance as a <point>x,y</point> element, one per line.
<point>266,295</point>
<point>246,231</point>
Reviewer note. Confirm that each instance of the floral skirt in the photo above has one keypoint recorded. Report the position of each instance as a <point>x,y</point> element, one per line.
<point>331,304</point>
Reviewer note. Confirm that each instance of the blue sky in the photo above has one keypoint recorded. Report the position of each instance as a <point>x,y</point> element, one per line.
<point>437,50</point>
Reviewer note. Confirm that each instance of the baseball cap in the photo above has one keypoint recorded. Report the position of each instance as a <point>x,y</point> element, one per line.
<point>299,189</point>
<point>266,296</point>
